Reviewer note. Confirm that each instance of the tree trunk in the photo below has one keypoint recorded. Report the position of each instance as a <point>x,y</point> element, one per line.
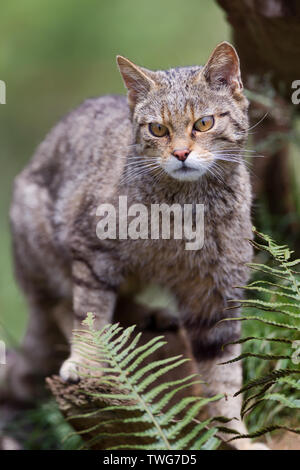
<point>266,34</point>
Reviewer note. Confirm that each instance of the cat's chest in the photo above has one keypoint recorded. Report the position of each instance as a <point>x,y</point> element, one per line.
<point>168,261</point>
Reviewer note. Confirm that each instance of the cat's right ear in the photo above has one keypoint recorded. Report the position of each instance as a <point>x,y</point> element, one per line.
<point>138,80</point>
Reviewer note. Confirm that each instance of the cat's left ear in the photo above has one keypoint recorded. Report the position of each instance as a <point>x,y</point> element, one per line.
<point>137,80</point>
<point>223,68</point>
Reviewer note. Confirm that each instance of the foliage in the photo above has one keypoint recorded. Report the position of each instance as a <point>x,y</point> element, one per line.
<point>152,423</point>
<point>43,428</point>
<point>272,388</point>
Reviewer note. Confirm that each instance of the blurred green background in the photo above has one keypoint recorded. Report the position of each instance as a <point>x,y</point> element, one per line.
<point>54,54</point>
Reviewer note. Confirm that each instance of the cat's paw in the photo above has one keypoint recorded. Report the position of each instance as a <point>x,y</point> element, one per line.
<point>248,445</point>
<point>69,371</point>
<point>258,446</point>
<point>76,367</point>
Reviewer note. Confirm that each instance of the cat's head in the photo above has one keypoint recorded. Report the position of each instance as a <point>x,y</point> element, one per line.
<point>188,120</point>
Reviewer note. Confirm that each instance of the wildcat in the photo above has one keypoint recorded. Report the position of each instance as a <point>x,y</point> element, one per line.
<point>178,138</point>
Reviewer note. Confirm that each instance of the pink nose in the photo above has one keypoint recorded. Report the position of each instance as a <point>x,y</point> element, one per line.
<point>181,154</point>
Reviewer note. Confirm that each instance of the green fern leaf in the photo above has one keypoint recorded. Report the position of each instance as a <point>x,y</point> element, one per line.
<point>136,391</point>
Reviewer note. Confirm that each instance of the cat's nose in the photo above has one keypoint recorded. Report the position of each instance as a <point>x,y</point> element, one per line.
<point>181,154</point>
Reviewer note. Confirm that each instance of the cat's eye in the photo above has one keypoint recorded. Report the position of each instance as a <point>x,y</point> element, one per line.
<point>159,130</point>
<point>204,124</point>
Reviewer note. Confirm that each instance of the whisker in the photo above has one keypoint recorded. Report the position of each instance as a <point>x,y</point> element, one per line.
<point>157,178</point>
<point>236,150</point>
<point>236,160</point>
<point>249,166</point>
<point>139,165</point>
<point>137,171</point>
<point>141,162</point>
<point>239,154</point>
<point>217,176</point>
<point>232,159</point>
<point>264,116</point>
<point>220,171</point>
<point>143,159</point>
<point>255,125</point>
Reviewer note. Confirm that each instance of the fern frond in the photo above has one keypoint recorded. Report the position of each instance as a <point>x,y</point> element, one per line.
<point>264,357</point>
<point>278,293</point>
<point>265,430</point>
<point>272,376</point>
<point>290,402</point>
<point>263,320</point>
<point>256,338</point>
<point>142,415</point>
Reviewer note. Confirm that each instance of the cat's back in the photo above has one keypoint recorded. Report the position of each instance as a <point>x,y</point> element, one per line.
<point>81,158</point>
<point>82,142</point>
<point>83,139</point>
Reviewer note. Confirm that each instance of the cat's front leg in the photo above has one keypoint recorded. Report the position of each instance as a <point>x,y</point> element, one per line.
<point>207,337</point>
<point>227,379</point>
<point>91,293</point>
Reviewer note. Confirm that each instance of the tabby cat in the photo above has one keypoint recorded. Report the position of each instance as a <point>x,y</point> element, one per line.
<point>178,138</point>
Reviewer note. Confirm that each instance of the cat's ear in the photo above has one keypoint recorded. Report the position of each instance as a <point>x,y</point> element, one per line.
<point>138,80</point>
<point>223,68</point>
